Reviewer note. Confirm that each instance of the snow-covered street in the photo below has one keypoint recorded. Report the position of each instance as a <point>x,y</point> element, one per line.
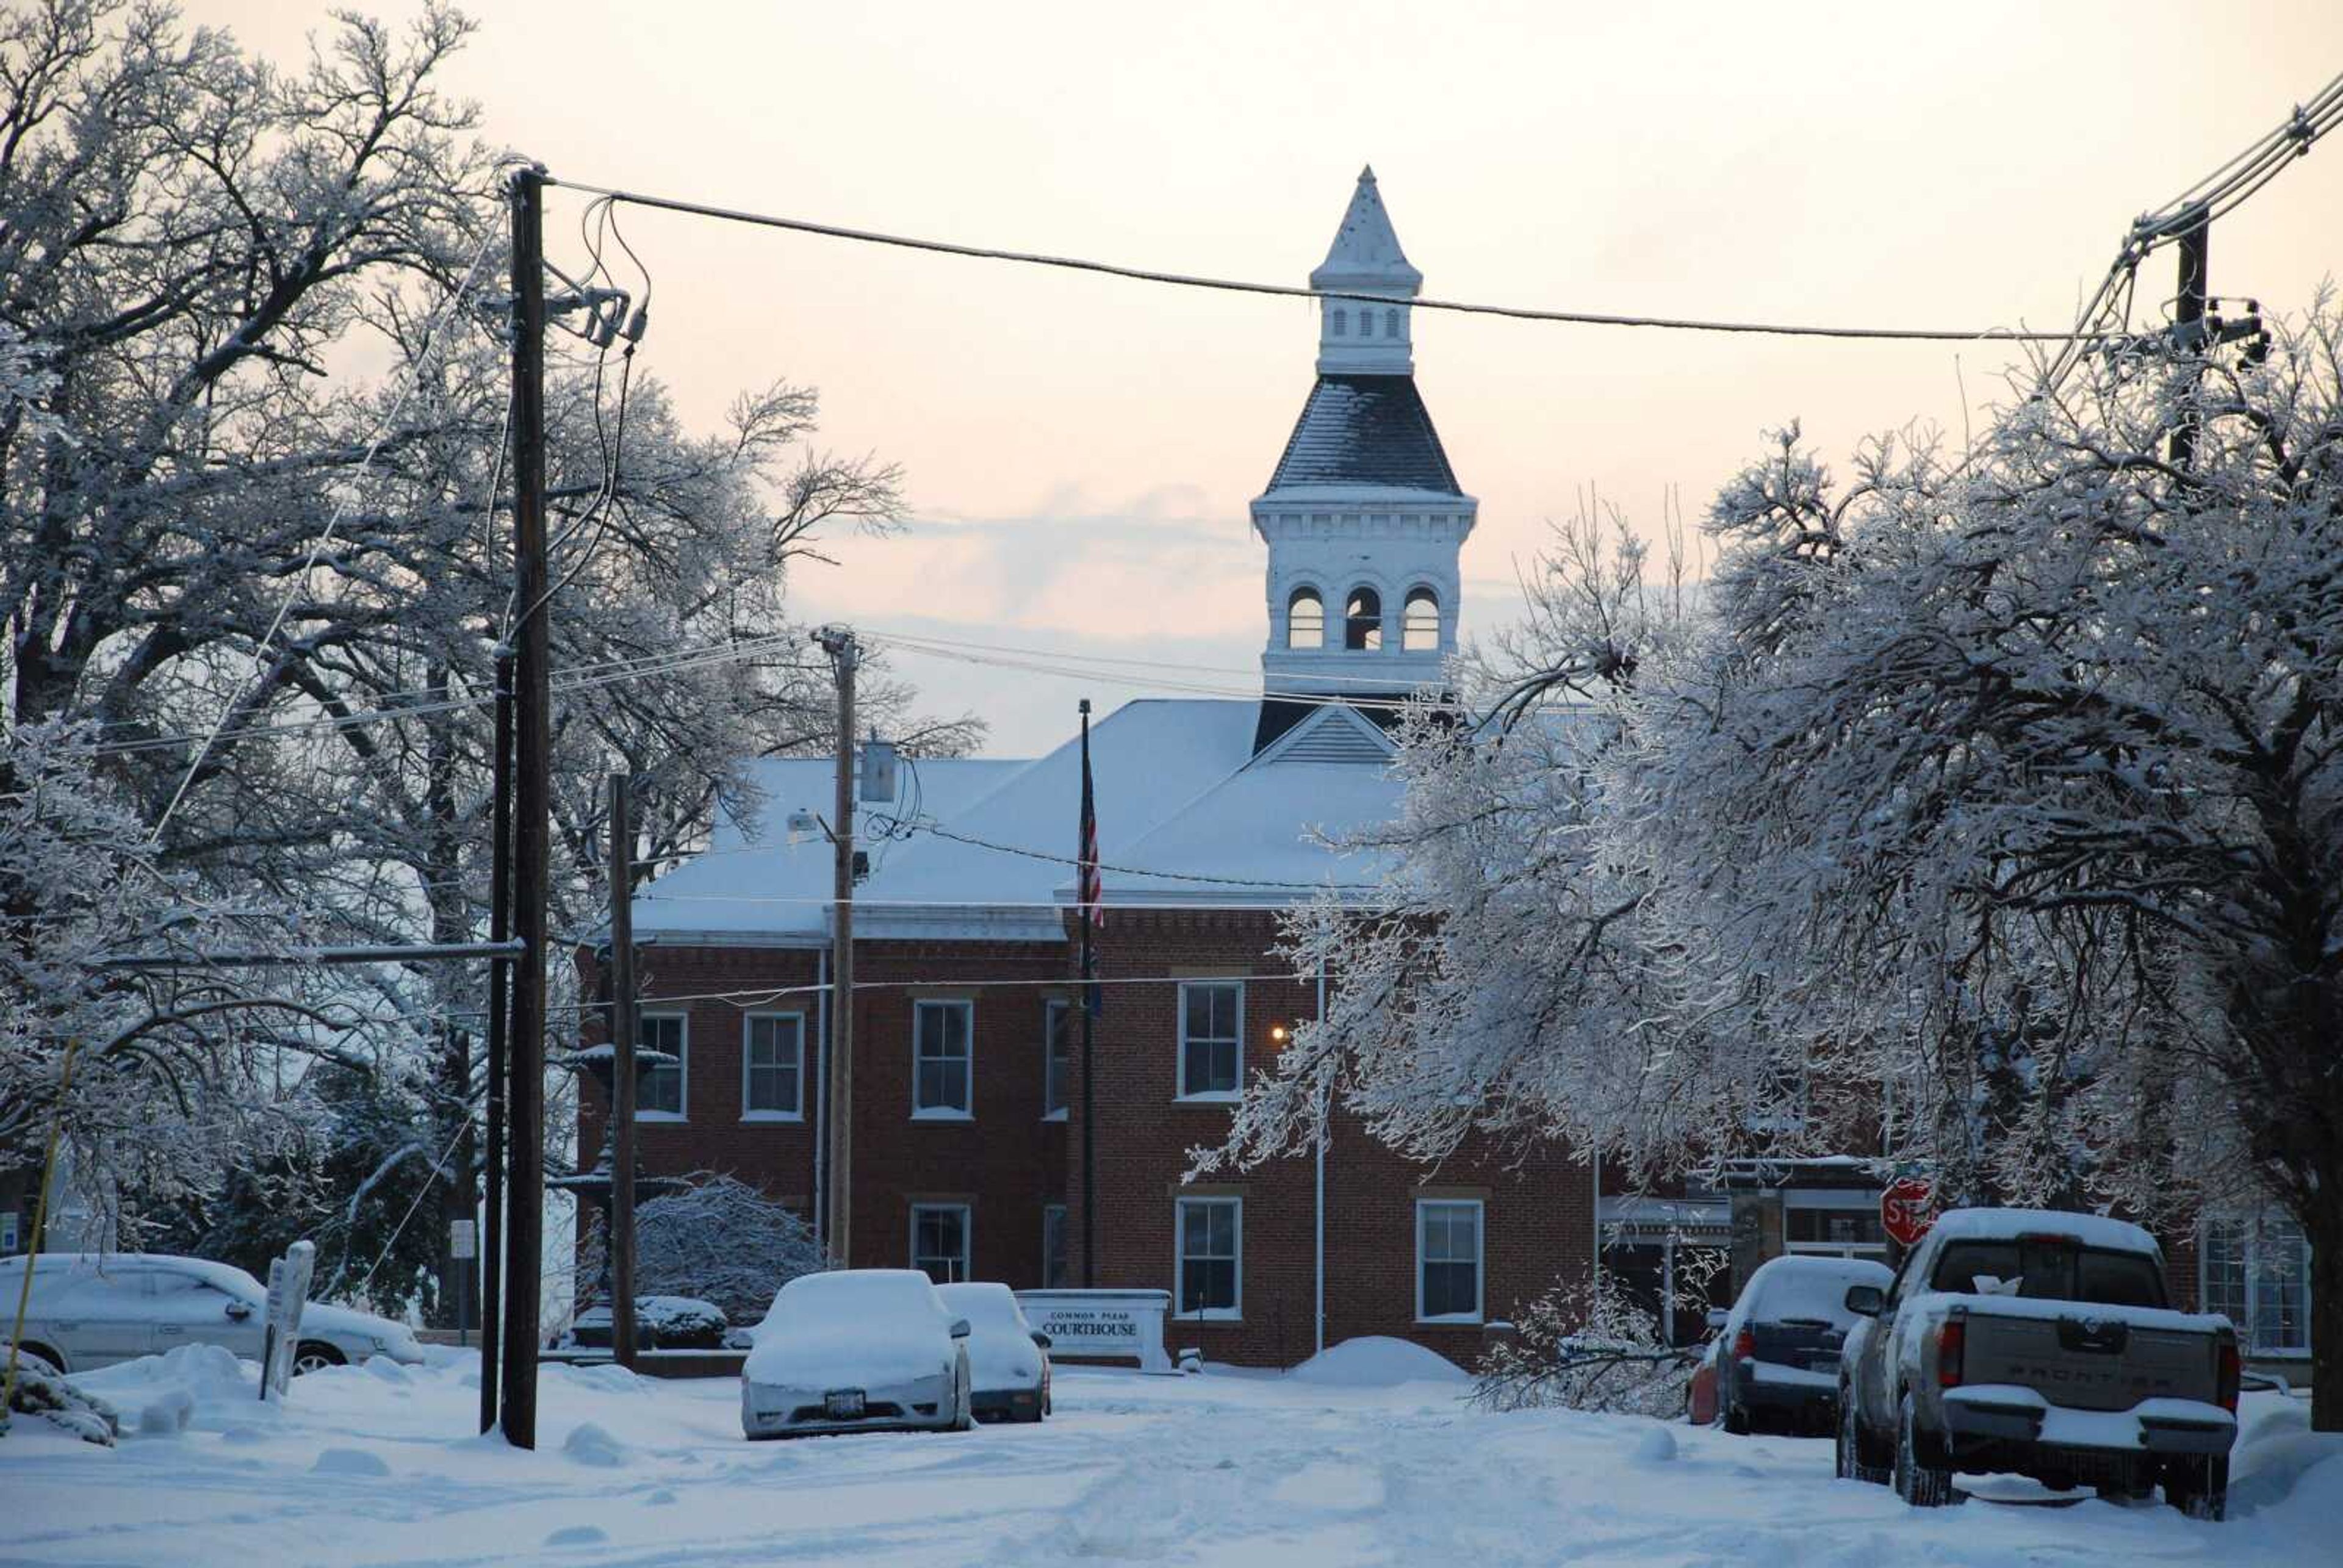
<point>368,1466</point>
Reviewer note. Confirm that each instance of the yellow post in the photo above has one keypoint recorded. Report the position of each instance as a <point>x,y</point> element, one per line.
<point>40,1227</point>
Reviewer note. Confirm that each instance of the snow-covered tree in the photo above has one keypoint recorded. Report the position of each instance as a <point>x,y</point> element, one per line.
<point>274,588</point>
<point>718,1239</point>
<point>1986,814</point>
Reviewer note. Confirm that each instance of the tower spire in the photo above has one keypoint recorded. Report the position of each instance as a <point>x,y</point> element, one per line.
<point>1355,336</point>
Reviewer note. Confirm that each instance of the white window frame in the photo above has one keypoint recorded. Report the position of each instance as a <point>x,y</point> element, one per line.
<point>967,1235</point>
<point>2253,1240</point>
<point>943,1112</point>
<point>1234,1312</point>
<point>1064,1216</point>
<point>1235,1092</point>
<point>1424,1206</point>
<point>747,1038</point>
<point>1052,1009</point>
<point>682,1112</point>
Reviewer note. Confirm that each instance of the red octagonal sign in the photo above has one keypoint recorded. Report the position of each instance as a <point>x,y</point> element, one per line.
<point>1906,1209</point>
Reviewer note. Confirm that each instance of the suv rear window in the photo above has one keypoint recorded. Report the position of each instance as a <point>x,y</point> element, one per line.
<point>2050,1270</point>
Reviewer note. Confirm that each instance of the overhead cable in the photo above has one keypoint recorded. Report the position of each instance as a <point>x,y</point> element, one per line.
<point>1290,291</point>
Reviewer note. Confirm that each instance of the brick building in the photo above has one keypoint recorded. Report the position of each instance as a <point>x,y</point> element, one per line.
<point>967,1115</point>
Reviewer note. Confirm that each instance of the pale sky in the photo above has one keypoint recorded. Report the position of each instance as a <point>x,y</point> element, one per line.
<point>1080,451</point>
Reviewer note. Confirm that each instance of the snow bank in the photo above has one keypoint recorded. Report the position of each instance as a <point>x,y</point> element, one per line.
<point>1376,1362</point>
<point>202,1388</point>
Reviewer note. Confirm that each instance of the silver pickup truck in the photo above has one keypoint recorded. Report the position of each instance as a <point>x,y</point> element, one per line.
<point>2037,1342</point>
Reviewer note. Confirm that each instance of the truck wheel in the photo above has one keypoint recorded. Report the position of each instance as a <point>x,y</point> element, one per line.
<point>1856,1459</point>
<point>2199,1485</point>
<point>1920,1485</point>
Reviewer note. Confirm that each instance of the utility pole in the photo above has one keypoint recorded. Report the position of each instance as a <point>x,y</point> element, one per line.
<point>622,1073</point>
<point>532,694</point>
<point>844,654</point>
<point>492,1200</point>
<point>2188,322</point>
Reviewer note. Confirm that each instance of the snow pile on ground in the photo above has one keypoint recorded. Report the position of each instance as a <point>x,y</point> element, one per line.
<point>1213,1470</point>
<point>1375,1362</point>
<point>201,1388</point>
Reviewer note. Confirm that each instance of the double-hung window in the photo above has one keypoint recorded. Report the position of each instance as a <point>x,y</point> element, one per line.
<point>772,1067</point>
<point>1057,1032</point>
<point>1448,1260</point>
<point>941,1060</point>
<point>1211,1017</point>
<point>1212,1257</point>
<point>2257,1272</point>
<point>940,1241</point>
<point>660,1097</point>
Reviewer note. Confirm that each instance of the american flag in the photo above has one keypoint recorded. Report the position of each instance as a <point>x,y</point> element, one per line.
<point>1091,895</point>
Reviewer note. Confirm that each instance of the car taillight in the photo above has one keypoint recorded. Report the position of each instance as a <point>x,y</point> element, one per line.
<point>1745,1346</point>
<point>2231,1373</point>
<point>1952,1340</point>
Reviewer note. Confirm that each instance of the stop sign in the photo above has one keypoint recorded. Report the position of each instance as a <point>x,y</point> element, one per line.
<point>1905,1208</point>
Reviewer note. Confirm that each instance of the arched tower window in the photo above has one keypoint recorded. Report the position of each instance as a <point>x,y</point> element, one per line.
<point>1420,621</point>
<point>1305,620</point>
<point>1391,322</point>
<point>1363,621</point>
<point>1341,322</point>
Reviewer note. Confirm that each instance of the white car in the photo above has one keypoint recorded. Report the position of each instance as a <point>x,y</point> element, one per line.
<point>856,1349</point>
<point>1007,1357</point>
<point>91,1310</point>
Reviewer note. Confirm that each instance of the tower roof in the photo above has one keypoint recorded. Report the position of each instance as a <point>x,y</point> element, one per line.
<point>1365,430</point>
<point>1365,253</point>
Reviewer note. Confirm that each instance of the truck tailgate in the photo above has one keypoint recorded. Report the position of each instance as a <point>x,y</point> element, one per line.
<point>2088,1364</point>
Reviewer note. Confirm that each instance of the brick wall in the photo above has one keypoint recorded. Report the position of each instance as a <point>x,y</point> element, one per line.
<point>1006,1161</point>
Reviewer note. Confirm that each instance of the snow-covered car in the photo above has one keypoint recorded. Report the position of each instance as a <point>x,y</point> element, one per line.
<point>661,1323</point>
<point>1009,1360</point>
<point>855,1350</point>
<point>91,1310</point>
<point>1777,1354</point>
<point>2038,1342</point>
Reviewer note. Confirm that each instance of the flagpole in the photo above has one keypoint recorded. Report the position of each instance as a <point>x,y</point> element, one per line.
<point>1088,914</point>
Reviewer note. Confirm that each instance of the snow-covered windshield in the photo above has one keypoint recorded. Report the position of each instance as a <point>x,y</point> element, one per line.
<point>984,1305</point>
<point>2049,1269</point>
<point>1808,1290</point>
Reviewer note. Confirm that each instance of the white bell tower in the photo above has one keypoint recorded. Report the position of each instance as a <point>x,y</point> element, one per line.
<point>1363,519</point>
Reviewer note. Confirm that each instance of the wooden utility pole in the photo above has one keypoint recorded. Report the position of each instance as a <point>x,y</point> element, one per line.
<point>2188,322</point>
<point>622,1073</point>
<point>840,644</point>
<point>533,745</point>
<point>492,1202</point>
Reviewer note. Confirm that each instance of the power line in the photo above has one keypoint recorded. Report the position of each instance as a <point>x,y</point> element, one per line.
<point>2222,192</point>
<point>1289,291</point>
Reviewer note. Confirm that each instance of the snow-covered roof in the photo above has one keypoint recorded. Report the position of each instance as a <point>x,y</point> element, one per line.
<point>1178,790</point>
<point>1365,253</point>
<point>1370,430</point>
<point>2002,1224</point>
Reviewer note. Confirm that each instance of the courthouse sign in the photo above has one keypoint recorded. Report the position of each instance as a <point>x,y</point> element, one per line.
<point>1101,1325</point>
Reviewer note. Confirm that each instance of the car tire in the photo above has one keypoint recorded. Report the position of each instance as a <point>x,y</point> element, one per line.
<point>2199,1485</point>
<point>1855,1459</point>
<point>1918,1483</point>
<point>313,1355</point>
<point>1733,1418</point>
<point>34,1350</point>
